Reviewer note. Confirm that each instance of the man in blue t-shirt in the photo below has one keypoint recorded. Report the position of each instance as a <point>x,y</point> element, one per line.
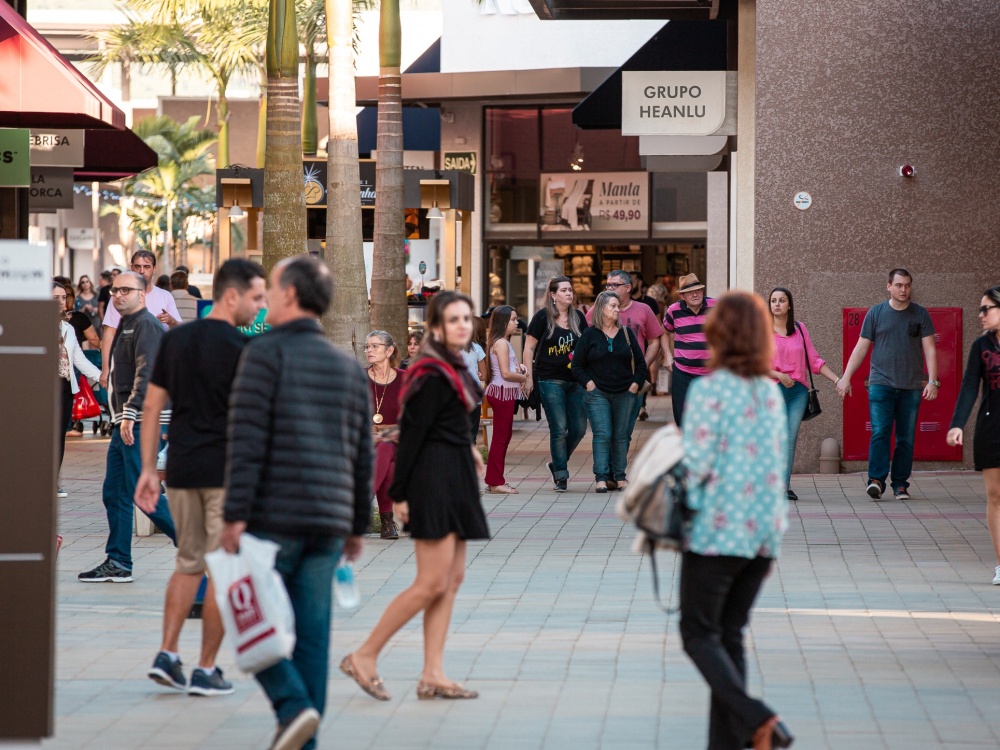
<point>903,335</point>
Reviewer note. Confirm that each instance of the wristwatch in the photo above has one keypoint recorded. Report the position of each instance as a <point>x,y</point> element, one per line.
<point>935,383</point>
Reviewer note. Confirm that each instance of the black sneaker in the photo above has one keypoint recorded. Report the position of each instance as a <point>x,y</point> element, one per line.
<point>167,672</point>
<point>297,732</point>
<point>552,472</point>
<point>643,415</point>
<point>108,570</point>
<point>874,489</point>
<point>203,683</point>
<point>791,495</point>
<point>901,494</point>
<point>560,485</point>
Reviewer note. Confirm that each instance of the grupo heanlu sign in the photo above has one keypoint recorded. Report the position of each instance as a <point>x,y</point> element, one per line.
<point>596,202</point>
<point>673,102</point>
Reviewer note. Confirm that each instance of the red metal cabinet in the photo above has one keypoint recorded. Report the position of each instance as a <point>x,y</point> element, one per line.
<point>934,416</point>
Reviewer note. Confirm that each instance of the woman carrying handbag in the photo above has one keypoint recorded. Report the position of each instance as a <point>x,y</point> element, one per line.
<point>795,361</point>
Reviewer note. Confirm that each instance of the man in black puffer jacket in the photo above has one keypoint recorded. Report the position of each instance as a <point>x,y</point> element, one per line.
<point>298,472</point>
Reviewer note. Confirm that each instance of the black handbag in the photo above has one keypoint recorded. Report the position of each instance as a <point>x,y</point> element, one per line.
<point>813,409</point>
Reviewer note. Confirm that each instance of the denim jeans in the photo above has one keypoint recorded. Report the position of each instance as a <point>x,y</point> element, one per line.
<point>612,417</point>
<point>120,477</point>
<point>889,406</point>
<point>796,400</point>
<point>563,402</point>
<point>306,564</point>
<point>680,381</point>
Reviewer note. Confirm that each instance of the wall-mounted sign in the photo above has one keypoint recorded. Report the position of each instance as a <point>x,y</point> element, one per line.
<point>51,188</point>
<point>611,203</point>
<point>56,148</point>
<point>314,178</point>
<point>367,169</point>
<point>80,238</point>
<point>673,102</point>
<point>25,270</point>
<point>463,161</point>
<point>802,200</point>
<point>15,158</point>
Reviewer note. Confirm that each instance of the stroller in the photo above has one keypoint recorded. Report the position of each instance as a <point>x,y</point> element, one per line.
<point>101,422</point>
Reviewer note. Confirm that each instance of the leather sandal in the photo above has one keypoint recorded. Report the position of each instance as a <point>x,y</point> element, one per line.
<point>503,489</point>
<point>426,692</point>
<point>374,688</point>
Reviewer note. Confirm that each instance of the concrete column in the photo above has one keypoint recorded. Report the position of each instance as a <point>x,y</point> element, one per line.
<point>95,206</point>
<point>717,242</point>
<point>746,137</point>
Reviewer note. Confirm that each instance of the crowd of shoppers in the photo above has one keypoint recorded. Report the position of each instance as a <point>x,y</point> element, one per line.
<point>507,380</point>
<point>385,384</point>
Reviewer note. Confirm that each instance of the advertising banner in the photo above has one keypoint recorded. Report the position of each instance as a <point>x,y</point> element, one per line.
<point>609,204</point>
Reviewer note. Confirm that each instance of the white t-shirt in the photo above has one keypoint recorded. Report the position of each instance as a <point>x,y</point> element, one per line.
<point>472,359</point>
<point>157,301</point>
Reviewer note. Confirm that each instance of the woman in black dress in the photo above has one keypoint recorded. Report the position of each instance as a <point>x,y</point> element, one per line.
<point>983,366</point>
<point>434,489</point>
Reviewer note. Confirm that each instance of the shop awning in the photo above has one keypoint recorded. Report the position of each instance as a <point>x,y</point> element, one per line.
<point>39,88</point>
<point>606,10</point>
<point>679,45</point>
<point>113,154</point>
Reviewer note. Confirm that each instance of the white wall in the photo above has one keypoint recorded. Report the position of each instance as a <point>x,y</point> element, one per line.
<point>473,41</point>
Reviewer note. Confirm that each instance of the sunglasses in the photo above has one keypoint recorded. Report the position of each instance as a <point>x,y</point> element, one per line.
<point>985,309</point>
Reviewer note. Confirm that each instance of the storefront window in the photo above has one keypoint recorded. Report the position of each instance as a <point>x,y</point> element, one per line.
<point>566,147</point>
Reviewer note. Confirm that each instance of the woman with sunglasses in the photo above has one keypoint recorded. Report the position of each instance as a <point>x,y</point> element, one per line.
<point>384,382</point>
<point>608,362</point>
<point>983,366</point>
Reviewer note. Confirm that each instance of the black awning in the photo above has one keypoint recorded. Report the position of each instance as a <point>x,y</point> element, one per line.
<point>679,45</point>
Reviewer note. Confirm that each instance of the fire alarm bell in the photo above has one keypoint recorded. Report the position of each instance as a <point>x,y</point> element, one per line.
<point>907,171</point>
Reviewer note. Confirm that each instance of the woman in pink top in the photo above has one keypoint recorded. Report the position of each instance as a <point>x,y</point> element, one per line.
<point>791,369</point>
<point>507,379</point>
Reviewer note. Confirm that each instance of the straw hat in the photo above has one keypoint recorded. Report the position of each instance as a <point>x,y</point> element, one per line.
<point>688,283</point>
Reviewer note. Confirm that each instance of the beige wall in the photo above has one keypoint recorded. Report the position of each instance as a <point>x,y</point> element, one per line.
<point>846,93</point>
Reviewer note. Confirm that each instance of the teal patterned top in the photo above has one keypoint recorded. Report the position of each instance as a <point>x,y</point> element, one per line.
<point>735,442</point>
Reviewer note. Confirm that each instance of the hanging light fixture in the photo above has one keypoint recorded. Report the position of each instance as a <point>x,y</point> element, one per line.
<point>434,212</point>
<point>236,212</point>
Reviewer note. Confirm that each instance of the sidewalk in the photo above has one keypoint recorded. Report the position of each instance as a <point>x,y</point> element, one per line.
<point>878,629</point>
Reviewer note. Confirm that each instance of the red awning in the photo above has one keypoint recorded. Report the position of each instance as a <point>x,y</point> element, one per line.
<point>39,88</point>
<point>109,155</point>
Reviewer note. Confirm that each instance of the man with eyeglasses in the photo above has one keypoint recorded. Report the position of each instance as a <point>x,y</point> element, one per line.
<point>903,337</point>
<point>158,301</point>
<point>131,355</point>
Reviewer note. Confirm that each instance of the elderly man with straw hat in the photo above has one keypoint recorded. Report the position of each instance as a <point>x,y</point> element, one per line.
<point>684,322</point>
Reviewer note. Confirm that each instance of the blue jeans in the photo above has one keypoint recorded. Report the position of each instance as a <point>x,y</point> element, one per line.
<point>890,406</point>
<point>563,402</point>
<point>120,477</point>
<point>796,400</point>
<point>612,417</point>
<point>306,564</point>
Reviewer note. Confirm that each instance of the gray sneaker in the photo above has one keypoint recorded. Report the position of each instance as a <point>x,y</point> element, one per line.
<point>167,672</point>
<point>297,732</point>
<point>901,494</point>
<point>203,683</point>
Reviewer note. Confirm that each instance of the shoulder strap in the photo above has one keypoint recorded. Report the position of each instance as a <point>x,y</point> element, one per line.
<point>809,369</point>
<point>628,341</point>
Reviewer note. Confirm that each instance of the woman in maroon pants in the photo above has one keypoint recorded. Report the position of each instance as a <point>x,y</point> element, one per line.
<point>506,380</point>
<point>384,382</point>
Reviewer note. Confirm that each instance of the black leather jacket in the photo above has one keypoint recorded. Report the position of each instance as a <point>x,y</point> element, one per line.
<point>133,351</point>
<point>299,455</point>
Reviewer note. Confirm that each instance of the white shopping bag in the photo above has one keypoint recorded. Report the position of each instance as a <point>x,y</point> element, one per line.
<point>253,602</point>
<point>663,381</point>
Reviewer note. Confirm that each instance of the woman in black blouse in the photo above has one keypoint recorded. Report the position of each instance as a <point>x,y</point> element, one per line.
<point>983,366</point>
<point>608,362</point>
<point>436,491</point>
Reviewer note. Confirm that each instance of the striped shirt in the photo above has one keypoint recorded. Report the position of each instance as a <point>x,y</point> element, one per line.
<point>690,349</point>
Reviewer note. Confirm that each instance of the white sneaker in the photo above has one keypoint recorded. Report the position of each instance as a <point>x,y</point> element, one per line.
<point>60,492</point>
<point>996,578</point>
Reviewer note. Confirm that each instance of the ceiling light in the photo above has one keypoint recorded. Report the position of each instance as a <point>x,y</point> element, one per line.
<point>236,212</point>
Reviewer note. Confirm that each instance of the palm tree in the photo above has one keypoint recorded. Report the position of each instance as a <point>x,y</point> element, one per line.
<point>388,298</point>
<point>284,196</point>
<point>347,323</point>
<point>312,34</point>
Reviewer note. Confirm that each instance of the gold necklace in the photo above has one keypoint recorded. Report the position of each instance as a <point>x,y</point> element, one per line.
<point>377,417</point>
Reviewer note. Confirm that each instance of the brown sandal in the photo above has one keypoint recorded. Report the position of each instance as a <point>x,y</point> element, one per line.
<point>374,688</point>
<point>426,692</point>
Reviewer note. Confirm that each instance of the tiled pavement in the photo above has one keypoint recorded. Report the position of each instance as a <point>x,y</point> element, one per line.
<point>878,629</point>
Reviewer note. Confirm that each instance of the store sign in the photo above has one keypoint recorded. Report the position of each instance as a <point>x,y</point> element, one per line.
<point>367,169</point>
<point>56,148</point>
<point>463,161</point>
<point>609,203</point>
<point>673,102</point>
<point>15,157</point>
<point>51,188</point>
<point>314,179</point>
<point>80,238</point>
<point>25,270</point>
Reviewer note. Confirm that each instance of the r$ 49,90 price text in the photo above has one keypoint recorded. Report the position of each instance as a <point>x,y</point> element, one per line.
<point>621,215</point>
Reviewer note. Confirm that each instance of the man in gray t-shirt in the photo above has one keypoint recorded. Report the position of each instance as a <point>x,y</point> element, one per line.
<point>903,337</point>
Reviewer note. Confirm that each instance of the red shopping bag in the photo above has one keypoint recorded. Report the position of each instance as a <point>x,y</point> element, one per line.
<point>85,404</point>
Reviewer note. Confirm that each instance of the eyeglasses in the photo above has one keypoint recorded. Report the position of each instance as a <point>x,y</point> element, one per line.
<point>372,347</point>
<point>125,291</point>
<point>985,309</point>
<point>612,286</point>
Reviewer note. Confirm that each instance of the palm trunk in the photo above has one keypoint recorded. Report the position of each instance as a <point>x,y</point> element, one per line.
<point>310,135</point>
<point>222,120</point>
<point>388,307</point>
<point>284,194</point>
<point>262,125</point>
<point>168,240</point>
<point>347,323</point>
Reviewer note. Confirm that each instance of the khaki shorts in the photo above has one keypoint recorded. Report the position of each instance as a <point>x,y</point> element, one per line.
<point>197,515</point>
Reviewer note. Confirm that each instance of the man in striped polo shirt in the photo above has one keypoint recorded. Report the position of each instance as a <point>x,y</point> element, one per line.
<point>684,322</point>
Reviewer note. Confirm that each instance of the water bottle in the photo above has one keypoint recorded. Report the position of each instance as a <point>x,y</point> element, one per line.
<point>345,588</point>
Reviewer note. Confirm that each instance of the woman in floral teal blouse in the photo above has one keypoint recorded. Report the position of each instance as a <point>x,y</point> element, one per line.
<point>735,441</point>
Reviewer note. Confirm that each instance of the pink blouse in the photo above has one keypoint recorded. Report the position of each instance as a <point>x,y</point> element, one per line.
<point>790,356</point>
